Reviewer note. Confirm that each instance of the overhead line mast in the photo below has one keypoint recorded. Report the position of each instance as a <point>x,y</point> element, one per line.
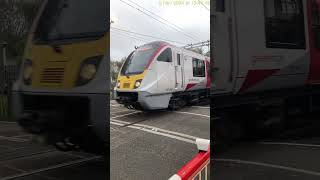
<point>199,44</point>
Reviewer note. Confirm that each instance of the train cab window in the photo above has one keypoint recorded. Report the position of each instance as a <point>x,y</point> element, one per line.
<point>138,60</point>
<point>284,24</point>
<point>199,68</point>
<point>165,56</point>
<point>178,59</point>
<point>72,20</point>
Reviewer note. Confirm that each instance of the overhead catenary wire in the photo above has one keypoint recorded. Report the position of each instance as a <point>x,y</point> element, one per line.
<point>199,44</point>
<point>146,35</point>
<point>133,38</point>
<point>177,28</point>
<point>143,38</point>
<point>157,19</point>
<point>123,34</point>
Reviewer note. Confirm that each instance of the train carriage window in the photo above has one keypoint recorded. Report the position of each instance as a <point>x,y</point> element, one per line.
<point>178,59</point>
<point>284,24</point>
<point>165,56</point>
<point>316,23</point>
<point>199,68</point>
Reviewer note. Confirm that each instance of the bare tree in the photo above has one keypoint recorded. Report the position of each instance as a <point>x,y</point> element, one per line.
<point>115,67</point>
<point>16,18</point>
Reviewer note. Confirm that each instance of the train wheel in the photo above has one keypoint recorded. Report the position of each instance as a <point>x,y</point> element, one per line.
<point>177,103</point>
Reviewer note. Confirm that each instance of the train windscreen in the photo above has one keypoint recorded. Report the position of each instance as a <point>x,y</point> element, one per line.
<point>138,60</point>
<point>67,20</point>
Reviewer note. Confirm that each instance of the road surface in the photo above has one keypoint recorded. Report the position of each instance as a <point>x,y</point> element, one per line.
<point>154,145</point>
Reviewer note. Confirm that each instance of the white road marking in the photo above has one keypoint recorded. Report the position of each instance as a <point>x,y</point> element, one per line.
<point>8,122</point>
<point>21,136</point>
<point>115,105</point>
<point>112,129</point>
<point>128,114</point>
<point>156,129</point>
<point>157,132</point>
<point>290,144</point>
<point>28,173</point>
<point>13,139</point>
<point>121,111</point>
<point>195,114</point>
<point>201,107</point>
<point>314,173</point>
<point>115,123</point>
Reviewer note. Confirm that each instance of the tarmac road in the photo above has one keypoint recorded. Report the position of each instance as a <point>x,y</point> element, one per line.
<point>154,145</point>
<point>292,155</point>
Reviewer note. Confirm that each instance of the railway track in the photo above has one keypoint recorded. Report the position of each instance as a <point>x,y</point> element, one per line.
<point>55,167</point>
<point>22,158</point>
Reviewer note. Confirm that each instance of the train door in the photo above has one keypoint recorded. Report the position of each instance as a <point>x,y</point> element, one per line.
<point>178,69</point>
<point>165,70</point>
<point>270,43</point>
<point>313,7</point>
<point>224,53</point>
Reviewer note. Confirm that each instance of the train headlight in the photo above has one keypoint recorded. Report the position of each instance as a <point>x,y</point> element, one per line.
<point>137,84</point>
<point>118,84</point>
<point>88,70</point>
<point>27,72</point>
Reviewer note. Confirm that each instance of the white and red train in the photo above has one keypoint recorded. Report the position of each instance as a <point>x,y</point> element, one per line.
<point>266,53</point>
<point>158,75</point>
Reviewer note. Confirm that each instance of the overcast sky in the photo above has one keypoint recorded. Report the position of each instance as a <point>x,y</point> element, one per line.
<point>193,19</point>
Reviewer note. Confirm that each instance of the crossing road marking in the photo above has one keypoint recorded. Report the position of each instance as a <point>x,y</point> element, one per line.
<point>13,139</point>
<point>195,114</point>
<point>157,132</point>
<point>290,144</point>
<point>156,129</point>
<point>201,107</point>
<point>128,114</point>
<point>238,161</point>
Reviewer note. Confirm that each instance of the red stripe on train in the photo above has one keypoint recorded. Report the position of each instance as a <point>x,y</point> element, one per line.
<point>155,54</point>
<point>255,76</point>
<point>314,75</point>
<point>189,86</point>
<point>208,85</point>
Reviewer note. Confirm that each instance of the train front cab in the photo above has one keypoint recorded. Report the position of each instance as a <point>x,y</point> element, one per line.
<point>62,90</point>
<point>139,81</point>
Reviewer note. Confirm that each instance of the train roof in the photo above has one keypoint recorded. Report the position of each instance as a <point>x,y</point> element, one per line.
<point>160,43</point>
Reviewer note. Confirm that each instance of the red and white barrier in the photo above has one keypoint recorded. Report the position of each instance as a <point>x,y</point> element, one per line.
<point>198,168</point>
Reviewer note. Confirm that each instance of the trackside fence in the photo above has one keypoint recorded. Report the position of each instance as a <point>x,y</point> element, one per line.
<point>8,75</point>
<point>198,168</point>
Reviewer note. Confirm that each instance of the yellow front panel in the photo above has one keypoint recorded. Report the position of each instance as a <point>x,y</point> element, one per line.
<point>127,82</point>
<point>61,70</point>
